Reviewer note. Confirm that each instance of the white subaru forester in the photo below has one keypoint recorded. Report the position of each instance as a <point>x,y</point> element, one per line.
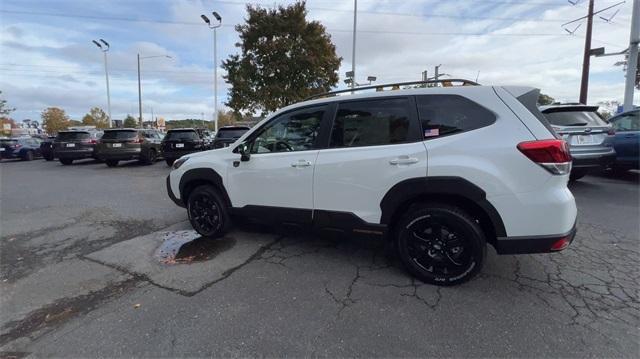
<point>441,171</point>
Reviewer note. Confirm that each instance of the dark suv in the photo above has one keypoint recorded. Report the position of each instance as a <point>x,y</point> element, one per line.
<point>228,135</point>
<point>74,145</point>
<point>129,144</point>
<point>25,148</point>
<point>181,141</point>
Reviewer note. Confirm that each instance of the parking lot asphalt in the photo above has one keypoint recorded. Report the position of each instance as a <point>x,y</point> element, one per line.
<point>97,261</point>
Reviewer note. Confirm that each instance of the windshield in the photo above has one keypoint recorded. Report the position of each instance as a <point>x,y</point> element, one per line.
<point>119,135</point>
<point>72,136</point>
<point>575,118</point>
<point>187,135</point>
<point>231,133</point>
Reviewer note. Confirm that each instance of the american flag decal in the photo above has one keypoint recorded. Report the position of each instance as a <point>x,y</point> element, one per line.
<point>432,132</point>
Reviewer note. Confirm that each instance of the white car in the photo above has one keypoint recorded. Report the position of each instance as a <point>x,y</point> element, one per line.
<point>440,171</point>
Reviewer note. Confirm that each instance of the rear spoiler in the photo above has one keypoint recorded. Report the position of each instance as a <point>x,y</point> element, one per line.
<point>571,108</point>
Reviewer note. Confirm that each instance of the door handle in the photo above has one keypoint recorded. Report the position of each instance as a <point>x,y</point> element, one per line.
<point>403,160</point>
<point>301,164</point>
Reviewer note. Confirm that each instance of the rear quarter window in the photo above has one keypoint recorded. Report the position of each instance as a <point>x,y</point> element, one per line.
<point>443,115</point>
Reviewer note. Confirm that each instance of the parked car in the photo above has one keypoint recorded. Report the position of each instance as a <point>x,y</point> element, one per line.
<point>69,146</point>
<point>129,144</point>
<point>46,148</point>
<point>25,148</point>
<point>589,136</point>
<point>228,135</point>
<point>440,172</point>
<point>181,141</point>
<point>627,140</point>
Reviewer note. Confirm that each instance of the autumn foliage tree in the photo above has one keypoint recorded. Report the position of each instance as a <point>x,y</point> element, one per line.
<point>96,117</point>
<point>54,119</point>
<point>130,122</point>
<point>284,58</point>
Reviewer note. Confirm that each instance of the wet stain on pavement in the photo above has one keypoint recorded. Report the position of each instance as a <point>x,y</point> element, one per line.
<point>183,247</point>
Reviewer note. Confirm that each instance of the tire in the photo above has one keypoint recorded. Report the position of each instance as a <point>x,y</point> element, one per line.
<point>207,212</point>
<point>28,156</point>
<point>150,157</point>
<point>454,256</point>
<point>576,174</point>
<point>170,161</point>
<point>112,163</point>
<point>66,161</point>
<point>48,158</point>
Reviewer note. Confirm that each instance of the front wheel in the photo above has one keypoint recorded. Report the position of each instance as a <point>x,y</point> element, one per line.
<point>66,161</point>
<point>48,157</point>
<point>150,157</point>
<point>208,212</point>
<point>440,244</point>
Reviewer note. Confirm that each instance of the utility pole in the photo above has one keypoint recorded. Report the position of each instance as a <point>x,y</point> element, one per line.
<point>584,84</point>
<point>214,27</point>
<point>104,47</point>
<point>632,62</point>
<point>353,47</point>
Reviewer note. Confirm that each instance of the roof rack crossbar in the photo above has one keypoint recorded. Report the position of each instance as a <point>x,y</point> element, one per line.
<point>396,84</point>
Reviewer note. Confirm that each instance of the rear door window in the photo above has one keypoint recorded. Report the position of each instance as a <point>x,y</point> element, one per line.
<point>187,135</point>
<point>372,123</point>
<point>119,135</point>
<point>443,115</point>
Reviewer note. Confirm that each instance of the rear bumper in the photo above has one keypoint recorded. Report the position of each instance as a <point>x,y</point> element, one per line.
<point>172,155</point>
<point>171,195</point>
<point>120,155</point>
<point>602,160</point>
<point>75,155</point>
<point>535,244</point>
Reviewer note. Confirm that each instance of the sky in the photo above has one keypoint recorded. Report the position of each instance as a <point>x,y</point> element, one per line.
<point>47,57</point>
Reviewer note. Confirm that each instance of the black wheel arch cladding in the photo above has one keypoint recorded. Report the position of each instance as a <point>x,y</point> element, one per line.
<point>202,176</point>
<point>442,188</point>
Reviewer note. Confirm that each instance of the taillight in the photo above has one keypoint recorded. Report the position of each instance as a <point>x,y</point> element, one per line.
<point>17,145</point>
<point>552,155</point>
<point>611,132</point>
<point>138,140</point>
<point>560,244</point>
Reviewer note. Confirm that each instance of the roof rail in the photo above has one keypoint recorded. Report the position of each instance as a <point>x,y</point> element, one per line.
<point>445,83</point>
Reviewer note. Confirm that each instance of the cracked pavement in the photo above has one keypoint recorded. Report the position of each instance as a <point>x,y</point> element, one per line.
<point>79,278</point>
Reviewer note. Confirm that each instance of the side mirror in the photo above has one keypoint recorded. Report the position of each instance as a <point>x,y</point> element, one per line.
<point>243,149</point>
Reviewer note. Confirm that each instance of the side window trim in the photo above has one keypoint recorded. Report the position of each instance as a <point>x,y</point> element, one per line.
<point>320,139</point>
<point>414,133</point>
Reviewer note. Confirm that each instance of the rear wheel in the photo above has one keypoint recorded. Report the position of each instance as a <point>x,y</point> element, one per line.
<point>150,157</point>
<point>111,163</point>
<point>440,244</point>
<point>207,212</point>
<point>170,161</point>
<point>28,156</point>
<point>66,161</point>
<point>578,173</point>
<point>48,157</point>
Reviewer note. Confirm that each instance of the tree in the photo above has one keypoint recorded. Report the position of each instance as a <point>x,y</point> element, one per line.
<point>284,59</point>
<point>4,110</point>
<point>96,117</point>
<point>545,99</point>
<point>54,119</point>
<point>130,122</point>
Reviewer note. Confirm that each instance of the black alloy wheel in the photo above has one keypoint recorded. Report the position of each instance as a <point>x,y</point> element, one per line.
<point>440,244</point>
<point>207,212</point>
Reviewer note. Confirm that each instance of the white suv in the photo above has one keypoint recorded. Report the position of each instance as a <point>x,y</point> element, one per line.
<point>440,171</point>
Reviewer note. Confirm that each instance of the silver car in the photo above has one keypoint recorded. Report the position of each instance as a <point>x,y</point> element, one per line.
<point>589,136</point>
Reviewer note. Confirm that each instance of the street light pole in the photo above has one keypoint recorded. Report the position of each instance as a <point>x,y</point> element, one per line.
<point>353,46</point>
<point>105,48</point>
<point>215,62</point>
<point>139,95</point>
<point>632,61</point>
<point>140,86</point>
